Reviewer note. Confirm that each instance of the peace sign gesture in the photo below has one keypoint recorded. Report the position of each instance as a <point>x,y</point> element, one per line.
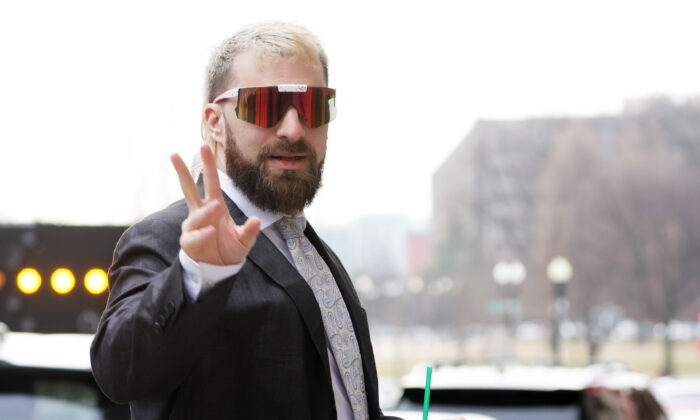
<point>209,234</point>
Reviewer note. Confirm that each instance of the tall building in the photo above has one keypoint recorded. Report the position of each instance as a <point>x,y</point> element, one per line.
<point>485,193</point>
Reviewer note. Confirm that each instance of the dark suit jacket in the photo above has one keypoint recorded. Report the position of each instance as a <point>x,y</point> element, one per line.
<point>253,348</point>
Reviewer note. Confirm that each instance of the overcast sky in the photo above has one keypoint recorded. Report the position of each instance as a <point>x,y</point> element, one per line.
<point>95,95</point>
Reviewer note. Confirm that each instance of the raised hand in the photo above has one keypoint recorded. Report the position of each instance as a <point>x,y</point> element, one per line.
<point>209,234</point>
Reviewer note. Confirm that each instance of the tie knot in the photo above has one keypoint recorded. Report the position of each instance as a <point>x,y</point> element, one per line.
<point>291,227</point>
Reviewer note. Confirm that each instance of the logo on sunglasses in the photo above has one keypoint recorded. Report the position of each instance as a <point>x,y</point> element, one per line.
<point>291,88</point>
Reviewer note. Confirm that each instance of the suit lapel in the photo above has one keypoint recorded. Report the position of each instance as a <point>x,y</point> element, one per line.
<point>340,276</point>
<point>355,310</point>
<point>268,258</point>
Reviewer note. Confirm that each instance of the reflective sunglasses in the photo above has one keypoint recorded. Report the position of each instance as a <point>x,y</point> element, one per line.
<point>266,106</point>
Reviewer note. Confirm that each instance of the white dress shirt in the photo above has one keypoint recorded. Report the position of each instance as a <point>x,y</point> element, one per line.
<point>200,277</point>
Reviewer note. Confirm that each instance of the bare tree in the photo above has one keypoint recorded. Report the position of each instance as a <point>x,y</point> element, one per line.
<point>651,200</point>
<point>627,220</point>
<point>568,223</point>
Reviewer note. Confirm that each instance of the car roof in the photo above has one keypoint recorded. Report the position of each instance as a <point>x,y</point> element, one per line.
<point>666,386</point>
<point>532,378</point>
<point>418,415</point>
<point>62,351</point>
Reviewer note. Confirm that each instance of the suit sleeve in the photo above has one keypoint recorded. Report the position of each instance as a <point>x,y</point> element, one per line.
<point>150,334</point>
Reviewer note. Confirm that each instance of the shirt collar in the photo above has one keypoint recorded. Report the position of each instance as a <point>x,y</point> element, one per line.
<point>266,217</point>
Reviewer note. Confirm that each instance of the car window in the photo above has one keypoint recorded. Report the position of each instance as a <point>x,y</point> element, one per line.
<point>31,406</point>
<point>501,404</point>
<point>54,394</point>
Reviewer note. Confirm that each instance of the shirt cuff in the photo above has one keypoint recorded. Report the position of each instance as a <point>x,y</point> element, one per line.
<point>199,277</point>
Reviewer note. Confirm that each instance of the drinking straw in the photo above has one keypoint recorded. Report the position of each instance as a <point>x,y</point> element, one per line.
<point>426,399</point>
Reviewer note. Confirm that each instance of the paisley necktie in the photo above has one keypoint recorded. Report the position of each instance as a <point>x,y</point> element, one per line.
<point>334,312</point>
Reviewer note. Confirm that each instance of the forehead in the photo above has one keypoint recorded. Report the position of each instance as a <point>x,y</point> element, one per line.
<point>253,69</point>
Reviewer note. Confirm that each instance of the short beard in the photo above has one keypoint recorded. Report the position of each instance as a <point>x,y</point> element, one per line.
<point>288,192</point>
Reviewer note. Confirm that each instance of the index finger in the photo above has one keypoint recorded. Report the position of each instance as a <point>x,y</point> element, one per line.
<point>212,189</point>
<point>189,189</point>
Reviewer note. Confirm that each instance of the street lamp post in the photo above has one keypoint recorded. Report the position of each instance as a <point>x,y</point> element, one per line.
<point>509,275</point>
<point>559,271</point>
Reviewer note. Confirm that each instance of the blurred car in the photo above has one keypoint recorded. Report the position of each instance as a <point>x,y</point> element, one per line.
<point>680,397</point>
<point>47,376</point>
<point>533,393</point>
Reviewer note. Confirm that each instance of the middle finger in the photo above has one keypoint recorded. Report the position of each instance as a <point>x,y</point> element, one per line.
<point>212,189</point>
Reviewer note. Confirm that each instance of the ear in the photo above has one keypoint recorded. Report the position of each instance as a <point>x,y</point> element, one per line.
<point>215,123</point>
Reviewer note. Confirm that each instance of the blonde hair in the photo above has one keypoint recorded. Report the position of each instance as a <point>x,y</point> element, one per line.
<point>267,39</point>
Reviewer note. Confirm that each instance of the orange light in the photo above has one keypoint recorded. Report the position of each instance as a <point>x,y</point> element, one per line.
<point>2,280</point>
<point>62,281</point>
<point>28,281</point>
<point>96,281</point>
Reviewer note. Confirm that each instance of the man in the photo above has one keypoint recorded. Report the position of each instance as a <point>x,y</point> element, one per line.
<point>209,319</point>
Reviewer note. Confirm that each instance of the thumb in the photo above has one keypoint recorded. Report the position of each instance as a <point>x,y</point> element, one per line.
<point>248,233</point>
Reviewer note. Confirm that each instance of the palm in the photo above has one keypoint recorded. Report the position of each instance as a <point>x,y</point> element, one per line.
<point>209,234</point>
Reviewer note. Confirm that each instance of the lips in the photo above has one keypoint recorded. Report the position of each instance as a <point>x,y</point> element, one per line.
<point>288,156</point>
<point>288,161</point>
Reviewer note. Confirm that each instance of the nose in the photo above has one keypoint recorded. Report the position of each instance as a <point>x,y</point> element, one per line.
<point>290,126</point>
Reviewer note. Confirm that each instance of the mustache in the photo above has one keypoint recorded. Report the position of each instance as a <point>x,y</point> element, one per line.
<point>285,146</point>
